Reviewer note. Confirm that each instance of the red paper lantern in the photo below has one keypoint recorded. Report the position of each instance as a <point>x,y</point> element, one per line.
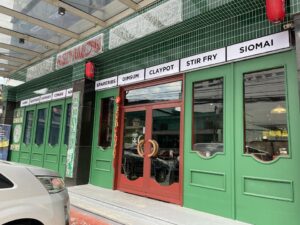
<point>90,70</point>
<point>275,10</point>
<point>118,99</point>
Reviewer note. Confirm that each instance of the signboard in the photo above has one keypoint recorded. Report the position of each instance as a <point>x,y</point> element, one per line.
<point>34,100</point>
<point>17,129</point>
<point>4,140</point>
<point>69,92</point>
<point>24,103</point>
<point>106,83</point>
<point>59,95</point>
<point>238,51</point>
<point>72,134</point>
<point>130,78</point>
<point>202,60</point>
<point>258,46</point>
<point>87,49</point>
<point>162,70</point>
<point>46,98</point>
<point>40,69</point>
<point>158,18</point>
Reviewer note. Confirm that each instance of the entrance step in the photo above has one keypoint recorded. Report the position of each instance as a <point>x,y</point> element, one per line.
<point>123,208</point>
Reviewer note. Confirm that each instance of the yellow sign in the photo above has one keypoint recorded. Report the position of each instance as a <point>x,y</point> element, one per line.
<point>275,133</point>
<point>4,144</point>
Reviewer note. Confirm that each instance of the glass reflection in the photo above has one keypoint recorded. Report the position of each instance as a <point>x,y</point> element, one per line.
<point>40,127</point>
<point>157,93</point>
<point>56,112</point>
<point>28,127</point>
<point>106,122</point>
<point>208,117</point>
<point>103,9</point>
<point>134,130</point>
<point>265,115</point>
<point>166,132</point>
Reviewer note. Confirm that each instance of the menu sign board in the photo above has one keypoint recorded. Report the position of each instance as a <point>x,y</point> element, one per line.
<point>258,46</point>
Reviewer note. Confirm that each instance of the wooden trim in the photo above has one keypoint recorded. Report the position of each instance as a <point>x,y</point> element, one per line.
<point>140,186</point>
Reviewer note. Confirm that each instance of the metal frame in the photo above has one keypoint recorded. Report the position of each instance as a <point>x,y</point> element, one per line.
<point>53,48</point>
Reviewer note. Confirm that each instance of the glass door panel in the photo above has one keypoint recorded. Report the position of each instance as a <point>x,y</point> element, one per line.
<point>165,141</point>
<point>38,147</point>
<point>133,138</point>
<point>28,132</point>
<point>54,136</point>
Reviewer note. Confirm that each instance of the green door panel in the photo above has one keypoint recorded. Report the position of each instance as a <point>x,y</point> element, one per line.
<point>208,180</point>
<point>38,144</point>
<point>17,129</point>
<point>102,173</point>
<point>65,137</point>
<point>27,134</point>
<point>268,193</point>
<point>54,135</point>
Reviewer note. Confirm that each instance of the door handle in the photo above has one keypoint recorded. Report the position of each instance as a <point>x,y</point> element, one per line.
<point>139,149</point>
<point>155,148</point>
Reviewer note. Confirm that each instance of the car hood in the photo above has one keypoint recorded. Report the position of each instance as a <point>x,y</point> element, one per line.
<point>37,171</point>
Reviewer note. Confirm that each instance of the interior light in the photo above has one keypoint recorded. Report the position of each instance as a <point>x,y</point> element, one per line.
<point>178,109</point>
<point>41,91</point>
<point>61,11</point>
<point>278,110</point>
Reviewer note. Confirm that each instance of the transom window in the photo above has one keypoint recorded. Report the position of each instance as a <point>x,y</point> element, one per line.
<point>265,115</point>
<point>156,93</point>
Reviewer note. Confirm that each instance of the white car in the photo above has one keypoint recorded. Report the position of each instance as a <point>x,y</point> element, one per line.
<point>32,196</point>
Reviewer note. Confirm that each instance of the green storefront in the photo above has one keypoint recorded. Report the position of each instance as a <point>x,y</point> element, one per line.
<point>204,113</point>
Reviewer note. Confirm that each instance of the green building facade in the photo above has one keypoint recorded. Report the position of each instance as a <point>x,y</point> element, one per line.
<point>196,103</point>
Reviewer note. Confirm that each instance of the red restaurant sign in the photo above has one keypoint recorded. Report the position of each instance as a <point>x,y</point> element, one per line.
<point>87,49</point>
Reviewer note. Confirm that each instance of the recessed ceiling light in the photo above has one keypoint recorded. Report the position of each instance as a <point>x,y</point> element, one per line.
<point>61,11</point>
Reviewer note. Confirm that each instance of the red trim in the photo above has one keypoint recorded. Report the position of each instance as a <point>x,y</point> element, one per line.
<point>146,186</point>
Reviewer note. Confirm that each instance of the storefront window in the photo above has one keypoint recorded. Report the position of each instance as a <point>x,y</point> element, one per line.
<point>56,112</point>
<point>157,93</point>
<point>40,127</point>
<point>265,115</point>
<point>208,117</point>
<point>67,127</point>
<point>106,122</point>
<point>28,127</point>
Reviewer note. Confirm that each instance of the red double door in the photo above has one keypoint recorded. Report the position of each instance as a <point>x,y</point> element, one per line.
<point>150,149</point>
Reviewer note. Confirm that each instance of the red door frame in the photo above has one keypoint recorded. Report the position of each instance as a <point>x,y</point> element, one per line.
<point>138,186</point>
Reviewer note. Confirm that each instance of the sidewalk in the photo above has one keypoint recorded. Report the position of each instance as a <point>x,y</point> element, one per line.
<point>80,217</point>
<point>123,208</point>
